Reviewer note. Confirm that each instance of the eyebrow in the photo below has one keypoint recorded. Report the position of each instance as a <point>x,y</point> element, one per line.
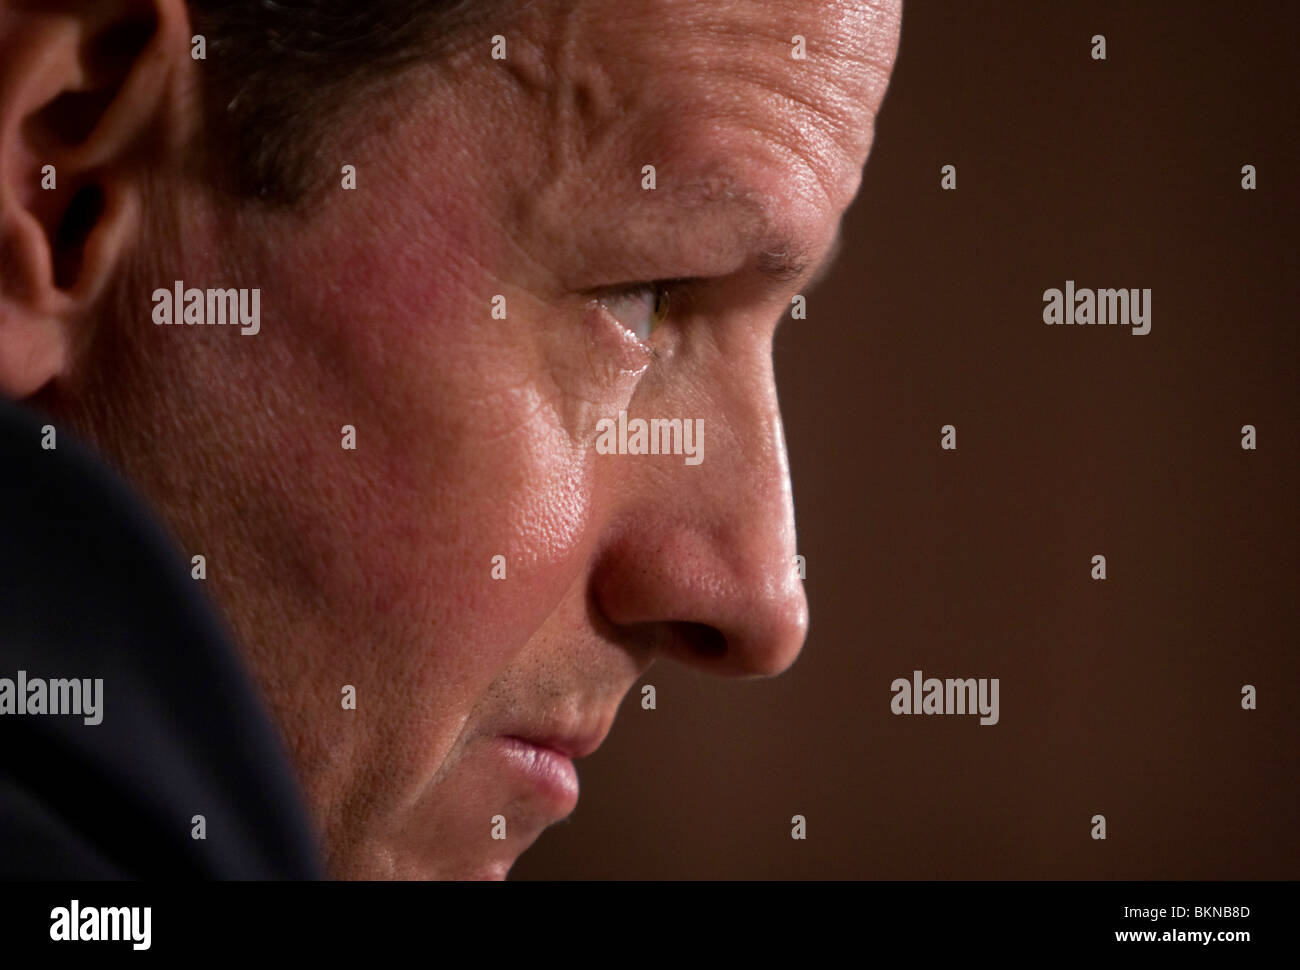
<point>786,262</point>
<point>782,258</point>
<point>739,220</point>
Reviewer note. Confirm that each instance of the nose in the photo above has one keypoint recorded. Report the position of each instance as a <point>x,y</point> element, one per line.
<point>699,560</point>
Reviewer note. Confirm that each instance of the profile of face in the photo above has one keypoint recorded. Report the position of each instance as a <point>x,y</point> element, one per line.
<point>506,277</point>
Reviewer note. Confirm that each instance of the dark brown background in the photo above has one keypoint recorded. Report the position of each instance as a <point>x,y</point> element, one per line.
<point>1119,697</point>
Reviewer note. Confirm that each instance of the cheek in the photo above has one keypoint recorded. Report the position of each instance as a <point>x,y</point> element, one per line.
<point>466,451</point>
<point>461,521</point>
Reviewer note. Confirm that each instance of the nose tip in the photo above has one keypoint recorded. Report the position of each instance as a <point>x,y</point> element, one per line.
<point>712,606</point>
<point>767,637</point>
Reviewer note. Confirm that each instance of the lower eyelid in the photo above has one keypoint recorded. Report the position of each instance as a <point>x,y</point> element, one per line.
<point>646,294</point>
<point>622,352</point>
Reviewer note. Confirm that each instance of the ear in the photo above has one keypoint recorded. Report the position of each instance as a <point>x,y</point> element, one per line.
<point>92,94</point>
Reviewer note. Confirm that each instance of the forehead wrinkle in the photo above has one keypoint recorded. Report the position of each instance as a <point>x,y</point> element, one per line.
<point>586,112</point>
<point>582,111</point>
<point>566,62</point>
<point>547,69</point>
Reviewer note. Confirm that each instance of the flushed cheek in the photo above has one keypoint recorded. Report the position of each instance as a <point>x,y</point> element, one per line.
<point>468,496</point>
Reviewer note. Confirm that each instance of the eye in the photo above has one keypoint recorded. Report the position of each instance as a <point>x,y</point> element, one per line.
<point>640,308</point>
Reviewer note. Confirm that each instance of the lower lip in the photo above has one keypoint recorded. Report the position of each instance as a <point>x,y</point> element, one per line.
<point>550,773</point>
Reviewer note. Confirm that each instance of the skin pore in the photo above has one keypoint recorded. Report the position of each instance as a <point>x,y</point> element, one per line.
<point>373,567</point>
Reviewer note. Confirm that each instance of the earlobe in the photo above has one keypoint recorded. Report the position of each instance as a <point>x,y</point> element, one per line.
<point>33,351</point>
<point>91,97</point>
<point>34,341</point>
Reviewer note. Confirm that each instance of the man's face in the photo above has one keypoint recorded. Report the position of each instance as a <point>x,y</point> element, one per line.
<point>476,432</point>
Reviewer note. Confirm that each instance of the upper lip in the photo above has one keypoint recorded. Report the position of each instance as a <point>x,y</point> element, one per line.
<point>571,744</point>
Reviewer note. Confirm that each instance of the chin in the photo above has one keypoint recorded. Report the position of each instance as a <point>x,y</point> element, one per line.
<point>495,870</point>
<point>424,863</point>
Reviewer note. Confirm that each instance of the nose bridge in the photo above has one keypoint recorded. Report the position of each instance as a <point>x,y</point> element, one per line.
<point>748,493</point>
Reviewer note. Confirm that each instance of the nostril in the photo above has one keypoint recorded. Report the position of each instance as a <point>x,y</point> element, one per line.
<point>701,639</point>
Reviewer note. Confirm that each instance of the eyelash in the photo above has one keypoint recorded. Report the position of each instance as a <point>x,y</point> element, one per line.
<point>659,301</point>
<point>675,291</point>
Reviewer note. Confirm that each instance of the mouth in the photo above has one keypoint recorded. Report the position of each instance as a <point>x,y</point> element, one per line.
<point>545,764</point>
<point>548,771</point>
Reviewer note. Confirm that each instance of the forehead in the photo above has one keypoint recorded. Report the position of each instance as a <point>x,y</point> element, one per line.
<point>712,95</point>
